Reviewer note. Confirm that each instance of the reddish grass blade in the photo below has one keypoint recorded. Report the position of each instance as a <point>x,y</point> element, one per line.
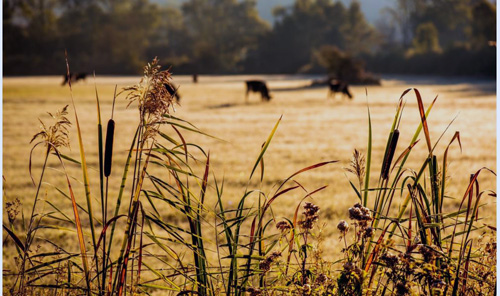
<point>305,170</point>
<point>106,226</point>
<point>403,154</point>
<point>424,120</point>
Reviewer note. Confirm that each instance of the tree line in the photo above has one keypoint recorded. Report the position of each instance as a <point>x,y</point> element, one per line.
<point>228,36</point>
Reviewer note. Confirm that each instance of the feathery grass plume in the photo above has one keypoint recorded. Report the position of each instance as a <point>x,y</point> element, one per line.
<point>357,166</point>
<point>56,135</point>
<point>52,137</point>
<point>153,99</point>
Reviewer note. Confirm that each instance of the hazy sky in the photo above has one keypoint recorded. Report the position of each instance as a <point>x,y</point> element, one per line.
<point>371,8</point>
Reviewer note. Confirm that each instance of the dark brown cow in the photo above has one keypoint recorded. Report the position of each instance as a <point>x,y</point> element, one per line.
<point>336,86</point>
<point>74,77</point>
<point>258,86</point>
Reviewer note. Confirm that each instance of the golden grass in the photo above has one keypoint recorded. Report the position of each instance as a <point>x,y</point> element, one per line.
<point>313,130</point>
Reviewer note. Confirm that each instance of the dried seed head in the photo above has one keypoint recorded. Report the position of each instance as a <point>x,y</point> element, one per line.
<point>310,209</point>
<point>348,266</point>
<point>491,248</point>
<point>254,291</point>
<point>360,213</point>
<point>321,279</point>
<point>12,209</point>
<point>310,216</point>
<point>389,259</point>
<point>355,213</point>
<point>368,232</point>
<point>343,226</point>
<point>265,265</point>
<point>283,226</point>
<point>427,252</point>
<point>402,289</point>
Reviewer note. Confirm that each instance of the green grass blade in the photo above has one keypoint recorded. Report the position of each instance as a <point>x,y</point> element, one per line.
<point>264,148</point>
<point>368,160</point>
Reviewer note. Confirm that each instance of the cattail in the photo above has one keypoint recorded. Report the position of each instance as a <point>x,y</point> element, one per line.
<point>390,154</point>
<point>108,152</point>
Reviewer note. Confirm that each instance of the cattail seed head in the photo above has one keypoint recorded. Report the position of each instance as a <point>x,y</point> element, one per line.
<point>390,155</point>
<point>108,151</point>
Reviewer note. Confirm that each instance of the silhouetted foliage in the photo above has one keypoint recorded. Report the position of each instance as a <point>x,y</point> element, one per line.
<point>343,67</point>
<point>228,36</point>
<point>426,39</point>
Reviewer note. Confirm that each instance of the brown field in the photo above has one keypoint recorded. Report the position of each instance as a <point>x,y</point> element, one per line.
<point>313,130</point>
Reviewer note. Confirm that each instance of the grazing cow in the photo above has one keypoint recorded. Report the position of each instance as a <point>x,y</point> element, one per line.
<point>74,77</point>
<point>336,86</point>
<point>259,87</point>
<point>173,92</point>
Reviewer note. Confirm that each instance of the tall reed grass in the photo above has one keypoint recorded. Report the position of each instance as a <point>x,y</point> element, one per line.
<point>129,246</point>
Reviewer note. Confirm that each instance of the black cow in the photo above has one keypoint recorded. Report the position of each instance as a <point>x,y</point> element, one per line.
<point>336,86</point>
<point>173,91</point>
<point>259,87</point>
<point>74,77</point>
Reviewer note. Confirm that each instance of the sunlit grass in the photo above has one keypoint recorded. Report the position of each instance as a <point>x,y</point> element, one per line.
<point>313,130</point>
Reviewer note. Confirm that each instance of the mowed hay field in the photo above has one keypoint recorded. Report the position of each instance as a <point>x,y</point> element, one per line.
<point>313,129</point>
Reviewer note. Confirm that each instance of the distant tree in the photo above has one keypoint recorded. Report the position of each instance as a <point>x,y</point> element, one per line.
<point>426,39</point>
<point>359,36</point>
<point>107,36</point>
<point>452,19</point>
<point>299,30</point>
<point>126,33</point>
<point>342,66</point>
<point>170,41</point>
<point>403,16</point>
<point>222,32</point>
<point>30,27</point>
<point>483,24</point>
